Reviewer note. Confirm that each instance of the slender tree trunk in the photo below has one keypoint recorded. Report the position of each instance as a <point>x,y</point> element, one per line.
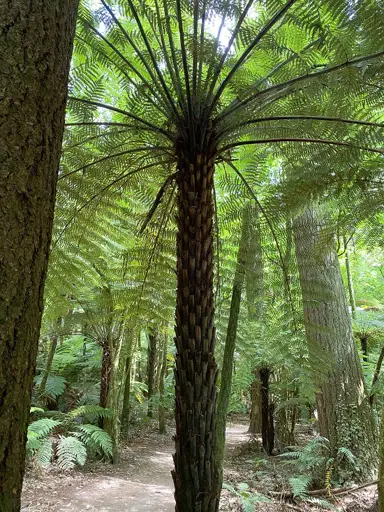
<point>106,369</point>
<point>345,417</point>
<point>254,287</point>
<point>151,370</point>
<point>48,367</point>
<point>195,476</point>
<point>163,374</point>
<point>35,46</point>
<point>351,289</point>
<point>230,341</point>
<point>112,425</point>
<point>255,414</point>
<point>376,375</point>
<point>381,461</point>
<point>127,394</point>
<point>267,410</point>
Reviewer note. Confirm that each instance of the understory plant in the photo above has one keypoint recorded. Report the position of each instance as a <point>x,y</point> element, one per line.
<point>68,439</point>
<point>316,468</point>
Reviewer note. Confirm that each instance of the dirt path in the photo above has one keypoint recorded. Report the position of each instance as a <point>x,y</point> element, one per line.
<point>141,482</point>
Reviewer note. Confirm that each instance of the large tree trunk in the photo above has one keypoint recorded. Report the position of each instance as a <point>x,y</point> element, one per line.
<point>35,46</point>
<point>345,417</point>
<point>195,476</point>
<point>230,341</point>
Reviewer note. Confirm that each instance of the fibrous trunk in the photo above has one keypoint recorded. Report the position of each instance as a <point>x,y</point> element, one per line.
<point>255,414</point>
<point>35,46</point>
<point>195,477</point>
<point>345,417</point>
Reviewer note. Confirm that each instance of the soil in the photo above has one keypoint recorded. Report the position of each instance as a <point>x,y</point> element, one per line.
<point>142,482</point>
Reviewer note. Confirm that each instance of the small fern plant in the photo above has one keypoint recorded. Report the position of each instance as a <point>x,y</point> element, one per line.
<point>316,468</point>
<point>66,439</point>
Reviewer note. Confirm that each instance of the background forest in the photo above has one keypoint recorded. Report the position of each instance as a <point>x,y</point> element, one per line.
<point>222,160</point>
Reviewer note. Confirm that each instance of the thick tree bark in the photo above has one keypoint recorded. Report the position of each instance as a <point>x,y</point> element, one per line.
<point>195,476</point>
<point>345,417</point>
<point>230,340</point>
<point>36,40</point>
<point>151,370</point>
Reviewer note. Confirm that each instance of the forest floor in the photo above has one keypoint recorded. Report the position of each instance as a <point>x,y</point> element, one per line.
<point>142,481</point>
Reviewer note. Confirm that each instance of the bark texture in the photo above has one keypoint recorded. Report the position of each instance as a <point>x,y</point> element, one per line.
<point>344,413</point>
<point>195,477</point>
<point>381,469</point>
<point>36,40</point>
<point>255,414</point>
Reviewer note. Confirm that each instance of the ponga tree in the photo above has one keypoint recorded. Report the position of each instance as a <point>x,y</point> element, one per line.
<point>165,91</point>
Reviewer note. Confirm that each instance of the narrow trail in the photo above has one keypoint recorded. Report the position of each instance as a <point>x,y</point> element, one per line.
<point>141,482</point>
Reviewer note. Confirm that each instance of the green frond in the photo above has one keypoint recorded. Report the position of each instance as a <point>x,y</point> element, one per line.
<point>70,452</point>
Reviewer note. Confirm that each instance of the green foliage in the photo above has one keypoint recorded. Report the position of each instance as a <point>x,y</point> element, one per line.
<point>70,451</point>
<point>316,467</point>
<point>96,439</point>
<point>67,441</point>
<point>247,498</point>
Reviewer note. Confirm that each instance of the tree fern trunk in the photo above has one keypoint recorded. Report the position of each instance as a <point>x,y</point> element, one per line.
<point>267,424</point>
<point>195,476</point>
<point>48,367</point>
<point>35,47</point>
<point>151,370</point>
<point>106,368</point>
<point>345,417</point>
<point>163,374</point>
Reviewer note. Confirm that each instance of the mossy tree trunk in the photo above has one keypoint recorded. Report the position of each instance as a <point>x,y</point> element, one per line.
<point>255,414</point>
<point>36,40</point>
<point>351,289</point>
<point>195,474</point>
<point>127,394</point>
<point>345,417</point>
<point>230,340</point>
<point>254,287</point>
